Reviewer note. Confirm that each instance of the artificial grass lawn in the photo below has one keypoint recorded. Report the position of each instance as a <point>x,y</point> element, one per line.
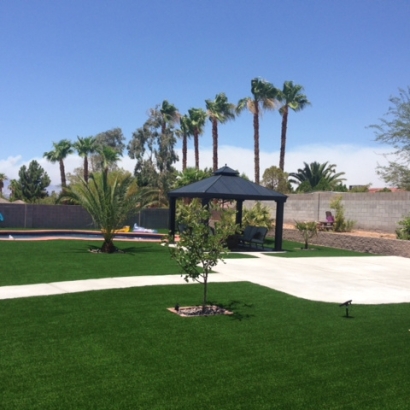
<point>121,349</point>
<point>28,262</point>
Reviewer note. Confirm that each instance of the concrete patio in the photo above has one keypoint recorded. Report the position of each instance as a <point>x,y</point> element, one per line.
<point>365,280</point>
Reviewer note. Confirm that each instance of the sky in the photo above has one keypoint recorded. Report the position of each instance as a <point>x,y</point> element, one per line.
<point>73,68</point>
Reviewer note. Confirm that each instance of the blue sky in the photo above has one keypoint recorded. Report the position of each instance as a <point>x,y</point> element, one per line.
<point>77,68</point>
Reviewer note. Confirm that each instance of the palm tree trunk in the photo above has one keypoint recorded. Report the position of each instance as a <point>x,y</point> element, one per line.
<point>256,142</point>
<point>196,142</point>
<point>184,151</point>
<point>283,138</point>
<point>215,143</point>
<point>62,174</point>
<point>86,169</point>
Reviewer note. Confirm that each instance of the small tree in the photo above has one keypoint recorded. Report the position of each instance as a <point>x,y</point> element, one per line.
<point>31,185</point>
<point>341,224</point>
<point>108,198</point>
<point>277,180</point>
<point>199,248</point>
<point>307,229</point>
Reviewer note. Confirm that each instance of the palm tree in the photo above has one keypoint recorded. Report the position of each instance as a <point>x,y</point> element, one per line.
<point>170,115</point>
<point>316,177</point>
<point>61,150</point>
<point>184,133</point>
<point>197,118</point>
<point>263,98</point>
<point>3,178</point>
<point>109,156</point>
<point>219,110</point>
<point>109,199</point>
<point>291,97</point>
<point>84,147</point>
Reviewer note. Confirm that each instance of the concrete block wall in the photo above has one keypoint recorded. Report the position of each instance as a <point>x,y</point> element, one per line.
<point>371,211</point>
<point>70,217</point>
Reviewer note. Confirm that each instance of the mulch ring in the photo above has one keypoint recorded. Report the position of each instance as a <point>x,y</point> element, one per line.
<point>195,311</point>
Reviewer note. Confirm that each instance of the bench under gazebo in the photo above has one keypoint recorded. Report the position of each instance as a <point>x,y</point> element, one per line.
<point>226,184</point>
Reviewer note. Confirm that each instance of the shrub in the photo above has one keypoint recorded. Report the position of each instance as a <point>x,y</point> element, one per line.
<point>341,224</point>
<point>258,215</point>
<point>403,232</point>
<point>307,229</point>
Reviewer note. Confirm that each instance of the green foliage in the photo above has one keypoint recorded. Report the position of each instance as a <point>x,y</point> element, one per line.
<point>341,224</point>
<point>316,177</point>
<point>153,146</point>
<point>3,178</point>
<point>31,185</point>
<point>85,147</point>
<point>108,199</point>
<point>291,97</point>
<point>263,98</point>
<point>218,111</point>
<point>191,175</point>
<point>196,123</point>
<point>403,231</point>
<point>112,139</point>
<point>394,130</point>
<point>277,180</point>
<point>199,249</point>
<point>395,175</point>
<point>360,188</point>
<point>258,215</point>
<point>307,229</point>
<point>61,150</point>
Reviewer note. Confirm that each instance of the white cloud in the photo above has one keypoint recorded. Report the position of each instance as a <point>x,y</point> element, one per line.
<point>358,162</point>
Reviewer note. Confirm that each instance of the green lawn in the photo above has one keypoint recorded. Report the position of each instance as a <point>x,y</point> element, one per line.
<point>27,262</point>
<point>121,349</point>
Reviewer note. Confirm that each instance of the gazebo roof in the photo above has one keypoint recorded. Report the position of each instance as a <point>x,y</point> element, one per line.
<point>227,184</point>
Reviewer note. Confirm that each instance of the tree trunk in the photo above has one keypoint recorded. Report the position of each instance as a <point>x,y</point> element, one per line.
<point>205,292</point>
<point>86,169</point>
<point>215,143</point>
<point>196,142</point>
<point>256,141</point>
<point>184,151</point>
<point>283,138</point>
<point>62,174</point>
<point>108,247</point>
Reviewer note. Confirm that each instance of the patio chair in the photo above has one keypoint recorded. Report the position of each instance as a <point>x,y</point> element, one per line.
<point>259,236</point>
<point>247,236</point>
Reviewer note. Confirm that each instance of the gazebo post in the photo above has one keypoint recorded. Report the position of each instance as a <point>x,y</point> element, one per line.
<point>172,202</point>
<point>239,206</point>
<point>279,225</point>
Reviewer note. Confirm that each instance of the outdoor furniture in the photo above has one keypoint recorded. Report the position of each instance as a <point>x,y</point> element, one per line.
<point>253,235</point>
<point>259,237</point>
<point>328,224</point>
<point>247,236</point>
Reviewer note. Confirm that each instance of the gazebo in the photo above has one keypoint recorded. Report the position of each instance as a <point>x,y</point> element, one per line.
<point>227,184</point>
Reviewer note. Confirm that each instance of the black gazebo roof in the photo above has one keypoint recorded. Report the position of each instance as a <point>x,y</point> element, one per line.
<point>227,184</point>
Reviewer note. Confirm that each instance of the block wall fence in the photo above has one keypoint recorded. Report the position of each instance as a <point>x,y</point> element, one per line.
<point>70,217</point>
<point>372,211</point>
